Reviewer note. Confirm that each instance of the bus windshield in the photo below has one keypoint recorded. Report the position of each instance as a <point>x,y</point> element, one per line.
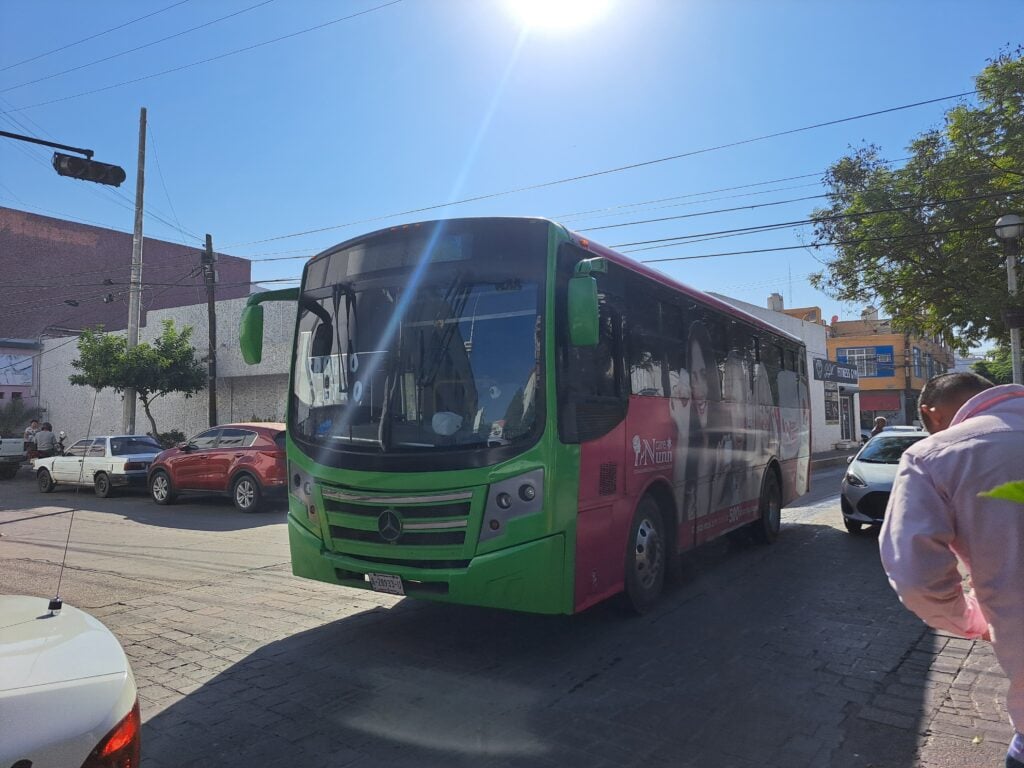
<point>422,341</point>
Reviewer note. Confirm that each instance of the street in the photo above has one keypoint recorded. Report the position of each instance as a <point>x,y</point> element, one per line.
<point>797,654</point>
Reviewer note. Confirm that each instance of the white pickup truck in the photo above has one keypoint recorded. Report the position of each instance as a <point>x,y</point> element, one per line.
<point>12,454</point>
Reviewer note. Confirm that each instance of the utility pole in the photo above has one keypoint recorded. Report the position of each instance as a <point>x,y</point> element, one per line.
<point>135,287</point>
<point>210,277</point>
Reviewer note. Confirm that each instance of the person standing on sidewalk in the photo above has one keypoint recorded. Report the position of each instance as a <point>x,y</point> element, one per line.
<point>935,518</point>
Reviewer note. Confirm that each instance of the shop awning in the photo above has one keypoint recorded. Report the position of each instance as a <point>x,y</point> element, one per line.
<point>879,401</point>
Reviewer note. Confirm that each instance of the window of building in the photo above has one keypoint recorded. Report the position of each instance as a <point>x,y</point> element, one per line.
<point>15,395</point>
<point>929,364</point>
<point>917,362</point>
<point>863,358</point>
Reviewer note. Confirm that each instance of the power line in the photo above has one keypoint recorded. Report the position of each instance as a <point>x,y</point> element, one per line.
<point>607,171</point>
<point>93,37</point>
<point>854,241</point>
<point>210,59</point>
<point>703,213</point>
<point>665,242</point>
<point>136,48</point>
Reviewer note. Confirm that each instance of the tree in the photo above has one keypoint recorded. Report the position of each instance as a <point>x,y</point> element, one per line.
<point>15,416</point>
<point>168,365</point>
<point>919,240</point>
<point>997,366</point>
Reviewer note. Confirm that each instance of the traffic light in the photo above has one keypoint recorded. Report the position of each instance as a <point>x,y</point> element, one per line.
<point>88,170</point>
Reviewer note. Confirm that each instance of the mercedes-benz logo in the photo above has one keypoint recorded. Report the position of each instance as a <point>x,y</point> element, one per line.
<point>389,525</point>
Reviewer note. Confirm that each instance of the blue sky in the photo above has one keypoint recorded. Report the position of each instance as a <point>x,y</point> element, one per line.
<point>424,102</point>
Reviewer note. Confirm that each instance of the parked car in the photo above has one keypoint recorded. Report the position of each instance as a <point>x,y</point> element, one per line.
<point>868,480</point>
<point>105,463</point>
<point>244,460</point>
<point>67,693</point>
<point>12,454</point>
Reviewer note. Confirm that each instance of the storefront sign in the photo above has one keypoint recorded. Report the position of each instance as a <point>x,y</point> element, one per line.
<point>829,370</point>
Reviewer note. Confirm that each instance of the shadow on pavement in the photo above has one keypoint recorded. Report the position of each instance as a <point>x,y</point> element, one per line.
<point>793,655</point>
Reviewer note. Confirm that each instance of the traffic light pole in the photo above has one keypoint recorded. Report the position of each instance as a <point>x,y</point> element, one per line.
<point>210,277</point>
<point>87,152</point>
<point>135,287</point>
<point>85,168</point>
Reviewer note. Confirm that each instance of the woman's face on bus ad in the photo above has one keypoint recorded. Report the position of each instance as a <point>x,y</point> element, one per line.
<point>699,382</point>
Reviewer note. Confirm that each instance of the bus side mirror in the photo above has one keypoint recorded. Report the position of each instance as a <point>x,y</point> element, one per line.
<point>250,334</point>
<point>583,327</point>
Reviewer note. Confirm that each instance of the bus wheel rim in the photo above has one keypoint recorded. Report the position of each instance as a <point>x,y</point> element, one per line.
<point>647,553</point>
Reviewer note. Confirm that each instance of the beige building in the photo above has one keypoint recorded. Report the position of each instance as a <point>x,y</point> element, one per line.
<point>892,366</point>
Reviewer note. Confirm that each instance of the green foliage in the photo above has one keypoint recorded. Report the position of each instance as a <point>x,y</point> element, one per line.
<point>997,366</point>
<point>171,438</point>
<point>15,416</point>
<point>1007,491</point>
<point>919,240</point>
<point>153,370</point>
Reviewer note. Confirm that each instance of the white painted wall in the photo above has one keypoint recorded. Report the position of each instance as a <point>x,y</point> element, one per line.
<point>244,392</point>
<point>823,436</point>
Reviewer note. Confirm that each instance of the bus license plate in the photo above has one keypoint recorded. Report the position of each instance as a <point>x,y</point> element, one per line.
<point>385,582</point>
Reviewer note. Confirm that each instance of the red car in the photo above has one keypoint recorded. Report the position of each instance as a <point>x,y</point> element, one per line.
<point>245,460</point>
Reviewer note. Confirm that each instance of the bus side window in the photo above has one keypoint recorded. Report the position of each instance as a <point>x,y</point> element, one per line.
<point>646,348</point>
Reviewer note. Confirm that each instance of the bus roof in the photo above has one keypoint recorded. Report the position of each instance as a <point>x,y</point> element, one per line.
<point>624,261</point>
<point>598,250</point>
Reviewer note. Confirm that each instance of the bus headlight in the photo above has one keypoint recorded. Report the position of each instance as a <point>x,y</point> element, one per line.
<point>512,498</point>
<point>301,487</point>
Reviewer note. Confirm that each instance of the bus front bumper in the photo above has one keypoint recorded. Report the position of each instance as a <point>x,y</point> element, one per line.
<point>526,577</point>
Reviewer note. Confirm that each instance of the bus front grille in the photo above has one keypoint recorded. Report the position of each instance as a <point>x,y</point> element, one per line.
<point>430,520</point>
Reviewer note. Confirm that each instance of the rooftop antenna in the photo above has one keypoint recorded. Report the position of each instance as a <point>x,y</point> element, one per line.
<point>56,603</point>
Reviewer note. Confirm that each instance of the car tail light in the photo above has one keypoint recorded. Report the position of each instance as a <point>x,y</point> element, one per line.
<point>134,465</point>
<point>121,747</point>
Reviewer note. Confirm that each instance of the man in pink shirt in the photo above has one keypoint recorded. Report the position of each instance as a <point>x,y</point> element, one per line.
<point>935,518</point>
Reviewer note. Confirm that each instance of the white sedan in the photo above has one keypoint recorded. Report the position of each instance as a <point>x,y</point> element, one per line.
<point>67,693</point>
<point>104,463</point>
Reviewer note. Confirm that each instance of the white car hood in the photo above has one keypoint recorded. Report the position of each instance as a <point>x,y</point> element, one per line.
<point>874,474</point>
<point>64,683</point>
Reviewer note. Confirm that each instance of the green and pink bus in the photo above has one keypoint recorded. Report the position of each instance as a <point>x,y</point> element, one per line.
<point>499,412</point>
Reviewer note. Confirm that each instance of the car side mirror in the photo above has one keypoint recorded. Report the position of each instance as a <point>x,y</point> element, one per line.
<point>849,459</point>
<point>186,446</point>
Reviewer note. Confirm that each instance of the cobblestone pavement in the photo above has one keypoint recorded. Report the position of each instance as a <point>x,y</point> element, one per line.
<point>792,655</point>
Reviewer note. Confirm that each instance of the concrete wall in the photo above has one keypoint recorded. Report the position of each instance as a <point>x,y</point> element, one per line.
<point>244,392</point>
<point>823,436</point>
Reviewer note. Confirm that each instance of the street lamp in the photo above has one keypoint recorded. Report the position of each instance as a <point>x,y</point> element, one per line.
<point>1009,229</point>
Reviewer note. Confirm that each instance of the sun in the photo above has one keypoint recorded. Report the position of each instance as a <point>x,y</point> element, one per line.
<point>557,14</point>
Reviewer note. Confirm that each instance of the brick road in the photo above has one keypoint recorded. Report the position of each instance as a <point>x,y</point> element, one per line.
<point>788,656</point>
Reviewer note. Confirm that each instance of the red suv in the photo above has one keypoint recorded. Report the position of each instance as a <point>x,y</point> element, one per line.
<point>245,460</point>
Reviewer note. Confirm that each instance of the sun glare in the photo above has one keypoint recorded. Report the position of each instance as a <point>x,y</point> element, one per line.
<point>557,14</point>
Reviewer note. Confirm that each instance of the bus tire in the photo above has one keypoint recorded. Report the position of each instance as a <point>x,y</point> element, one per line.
<point>646,556</point>
<point>766,528</point>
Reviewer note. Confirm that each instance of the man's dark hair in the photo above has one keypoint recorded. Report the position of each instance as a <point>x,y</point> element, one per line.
<point>949,387</point>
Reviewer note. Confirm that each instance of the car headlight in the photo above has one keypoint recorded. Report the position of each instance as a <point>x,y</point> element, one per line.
<point>852,479</point>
